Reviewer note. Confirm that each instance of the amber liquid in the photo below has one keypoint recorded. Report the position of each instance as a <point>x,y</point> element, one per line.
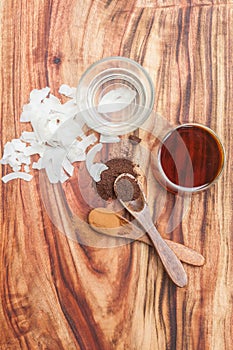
<point>191,156</point>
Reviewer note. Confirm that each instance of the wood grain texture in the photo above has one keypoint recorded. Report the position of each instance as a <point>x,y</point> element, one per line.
<point>58,294</point>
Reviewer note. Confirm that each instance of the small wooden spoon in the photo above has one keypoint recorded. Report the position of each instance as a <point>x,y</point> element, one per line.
<point>132,197</point>
<point>122,228</point>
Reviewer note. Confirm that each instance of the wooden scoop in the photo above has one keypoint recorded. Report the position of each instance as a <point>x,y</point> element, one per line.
<point>131,196</point>
<point>113,224</point>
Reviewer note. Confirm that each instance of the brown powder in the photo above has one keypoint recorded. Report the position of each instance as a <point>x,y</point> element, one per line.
<point>127,189</point>
<point>103,218</point>
<point>116,167</point>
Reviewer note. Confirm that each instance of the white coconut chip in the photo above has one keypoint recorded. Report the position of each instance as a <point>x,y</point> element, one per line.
<point>116,100</point>
<point>52,102</point>
<point>17,175</point>
<point>70,110</point>
<point>87,141</point>
<point>40,127</point>
<point>37,96</point>
<point>8,151</point>
<point>26,169</point>
<point>14,156</point>
<point>77,149</point>
<point>76,154</point>
<point>23,159</point>
<point>53,178</point>
<point>52,162</point>
<point>37,165</point>
<point>13,161</point>
<point>67,133</point>
<point>109,139</point>
<point>16,168</point>
<point>4,161</point>
<point>67,91</point>
<point>63,177</point>
<point>96,170</point>
<point>26,113</point>
<point>28,136</point>
<point>18,145</point>
<point>91,155</point>
<point>36,148</point>
<point>68,167</point>
<point>53,125</point>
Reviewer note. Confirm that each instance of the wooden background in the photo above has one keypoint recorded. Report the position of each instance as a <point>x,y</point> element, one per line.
<point>56,294</point>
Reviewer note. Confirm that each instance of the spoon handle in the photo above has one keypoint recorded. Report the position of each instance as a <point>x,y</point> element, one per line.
<point>171,263</point>
<point>183,253</point>
<point>133,233</point>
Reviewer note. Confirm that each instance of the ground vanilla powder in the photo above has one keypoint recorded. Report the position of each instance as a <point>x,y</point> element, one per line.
<point>127,189</point>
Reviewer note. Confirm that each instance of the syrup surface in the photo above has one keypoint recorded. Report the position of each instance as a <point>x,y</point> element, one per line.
<point>191,156</point>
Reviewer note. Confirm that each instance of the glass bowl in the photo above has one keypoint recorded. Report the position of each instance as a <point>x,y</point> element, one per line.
<point>115,96</point>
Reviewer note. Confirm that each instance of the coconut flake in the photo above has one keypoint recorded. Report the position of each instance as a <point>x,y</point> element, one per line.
<point>37,165</point>
<point>52,104</point>
<point>8,151</point>
<point>67,110</point>
<point>68,167</point>
<point>13,161</point>
<point>96,170</point>
<point>36,148</point>
<point>23,159</point>
<point>87,141</point>
<point>67,91</point>
<point>18,145</point>
<point>17,175</point>
<point>116,100</point>
<point>52,162</point>
<point>26,113</point>
<point>91,155</point>
<point>52,101</point>
<point>13,155</point>
<point>26,169</point>
<point>76,154</point>
<point>109,139</point>
<point>4,161</point>
<point>67,133</point>
<point>70,110</point>
<point>16,168</point>
<point>63,177</point>
<point>53,125</point>
<point>37,96</point>
<point>28,136</point>
<point>77,149</point>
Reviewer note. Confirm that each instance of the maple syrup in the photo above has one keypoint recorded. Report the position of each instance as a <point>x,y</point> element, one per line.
<point>191,158</point>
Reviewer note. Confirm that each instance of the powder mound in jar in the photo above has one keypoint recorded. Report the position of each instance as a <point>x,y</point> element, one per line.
<point>116,167</point>
<point>127,189</point>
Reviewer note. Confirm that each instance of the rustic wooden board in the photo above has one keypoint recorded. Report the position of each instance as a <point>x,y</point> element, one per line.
<point>57,294</point>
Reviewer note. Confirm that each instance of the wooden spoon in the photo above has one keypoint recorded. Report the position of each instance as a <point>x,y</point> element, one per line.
<point>132,197</point>
<point>122,228</point>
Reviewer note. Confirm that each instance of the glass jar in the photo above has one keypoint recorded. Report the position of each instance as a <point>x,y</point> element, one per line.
<point>115,96</point>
